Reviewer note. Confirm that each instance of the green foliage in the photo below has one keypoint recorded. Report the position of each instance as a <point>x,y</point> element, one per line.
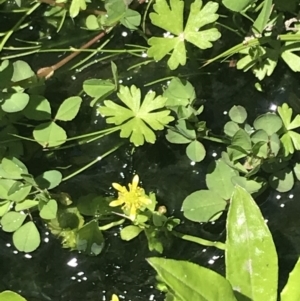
<point>237,6</point>
<point>10,296</point>
<point>170,18</point>
<point>137,121</point>
<point>291,291</point>
<point>76,6</point>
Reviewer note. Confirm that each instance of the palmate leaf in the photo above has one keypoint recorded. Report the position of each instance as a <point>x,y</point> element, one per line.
<point>170,18</point>
<point>137,121</point>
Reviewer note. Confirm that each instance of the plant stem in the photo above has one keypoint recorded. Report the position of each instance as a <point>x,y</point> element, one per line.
<point>112,224</point>
<point>10,32</point>
<point>200,241</point>
<point>99,158</point>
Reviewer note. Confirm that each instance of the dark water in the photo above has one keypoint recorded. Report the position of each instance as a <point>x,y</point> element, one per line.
<point>53,273</point>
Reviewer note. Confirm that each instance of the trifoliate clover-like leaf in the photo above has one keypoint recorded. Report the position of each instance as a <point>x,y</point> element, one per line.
<point>137,121</point>
<point>170,18</point>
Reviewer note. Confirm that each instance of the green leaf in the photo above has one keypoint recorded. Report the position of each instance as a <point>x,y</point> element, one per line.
<point>203,206</point>
<point>268,122</point>
<point>49,134</point>
<point>179,93</point>
<point>154,241</point>
<point>15,102</point>
<point>176,138</point>
<point>242,140</point>
<point>292,60</point>
<point>196,151</point>
<point>12,168</point>
<point>26,204</point>
<point>219,179</point>
<point>38,108</point>
<point>275,144</point>
<point>238,114</point>
<point>291,291</point>
<point>237,6</point>
<point>11,296</point>
<point>131,19</point>
<point>22,190</point>
<point>297,171</point>
<point>4,207</point>
<point>49,179</point>
<point>249,185</point>
<point>263,17</point>
<point>76,6</point>
<point>287,144</point>
<point>91,22</point>
<point>68,109</point>
<point>295,138</point>
<point>170,18</point>
<point>98,89</point>
<point>90,239</point>
<point>188,281</point>
<point>231,128</point>
<point>22,71</point>
<point>48,210</point>
<point>12,221</point>
<point>260,139</point>
<point>250,255</point>
<point>137,121</point>
<point>282,180</point>
<point>130,232</point>
<point>27,238</point>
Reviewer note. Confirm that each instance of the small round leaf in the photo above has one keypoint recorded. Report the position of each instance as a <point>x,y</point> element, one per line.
<point>49,179</point>
<point>196,151</point>
<point>238,114</point>
<point>268,122</point>
<point>15,102</point>
<point>12,221</point>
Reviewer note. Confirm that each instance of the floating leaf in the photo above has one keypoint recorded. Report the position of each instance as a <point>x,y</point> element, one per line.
<point>4,207</point>
<point>263,18</point>
<point>91,22</point>
<point>38,108</point>
<point>49,179</point>
<point>27,238</point>
<point>22,71</point>
<point>177,138</point>
<point>11,296</point>
<point>68,109</point>
<point>130,232</point>
<point>291,291</point>
<point>203,206</point>
<point>15,102</point>
<point>219,180</point>
<point>12,168</point>
<point>76,6</point>
<point>188,281</point>
<point>250,255</point>
<point>19,195</point>
<point>26,204</point>
<point>238,114</point>
<point>49,134</point>
<point>282,180</point>
<point>242,140</point>
<point>231,128</point>
<point>196,151</point>
<point>136,119</point>
<point>170,18</point>
<point>12,221</point>
<point>131,19</point>
<point>48,209</point>
<point>268,122</point>
<point>90,239</point>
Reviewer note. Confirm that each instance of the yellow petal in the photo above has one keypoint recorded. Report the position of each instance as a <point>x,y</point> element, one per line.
<point>114,298</point>
<point>132,214</point>
<point>118,187</point>
<point>135,182</point>
<point>116,203</point>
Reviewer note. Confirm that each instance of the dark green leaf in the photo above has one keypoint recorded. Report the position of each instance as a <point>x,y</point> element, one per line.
<point>38,108</point>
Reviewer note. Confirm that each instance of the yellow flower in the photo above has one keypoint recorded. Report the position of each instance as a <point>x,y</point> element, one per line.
<point>114,298</point>
<point>132,200</point>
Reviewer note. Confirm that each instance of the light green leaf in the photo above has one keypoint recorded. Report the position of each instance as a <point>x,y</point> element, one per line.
<point>90,239</point>
<point>242,140</point>
<point>275,144</point>
<point>287,144</point>
<point>263,17</point>
<point>4,207</point>
<point>260,139</point>
<point>250,255</point>
<point>19,195</point>
<point>292,60</point>
<point>26,204</point>
<point>196,151</point>
<point>238,114</point>
<point>268,122</point>
<point>12,221</point>
<point>203,206</point>
<point>297,171</point>
<point>38,108</point>
<point>188,281</point>
<point>49,179</point>
<point>250,185</point>
<point>68,109</point>
<point>295,138</point>
<point>12,168</point>
<point>282,180</point>
<point>231,128</point>
<point>137,121</point>
<point>22,71</point>
<point>291,291</point>
<point>15,102</point>
<point>11,296</point>
<point>49,134</point>
<point>237,6</point>
<point>76,6</point>
<point>177,138</point>
<point>219,179</point>
<point>131,19</point>
<point>48,210</point>
<point>170,18</point>
<point>27,238</point>
<point>130,232</point>
<point>285,112</point>
<point>91,22</point>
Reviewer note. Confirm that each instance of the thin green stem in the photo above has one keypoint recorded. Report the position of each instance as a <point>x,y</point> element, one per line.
<point>99,158</point>
<point>200,241</point>
<point>15,27</point>
<point>112,224</point>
